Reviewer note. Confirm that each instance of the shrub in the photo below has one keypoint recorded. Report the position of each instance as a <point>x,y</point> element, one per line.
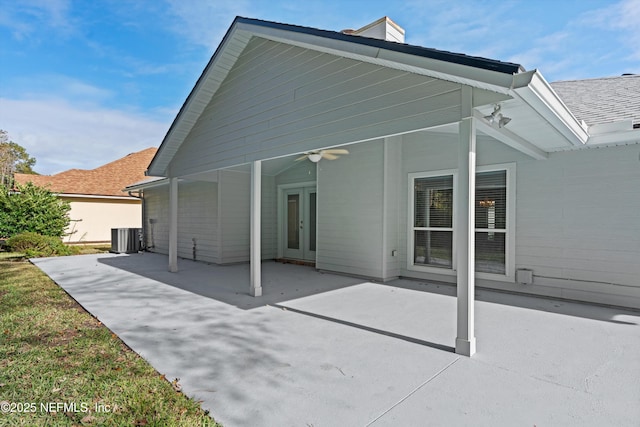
<point>36,245</point>
<point>32,208</point>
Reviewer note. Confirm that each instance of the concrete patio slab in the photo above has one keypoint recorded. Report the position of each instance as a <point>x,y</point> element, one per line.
<point>324,350</point>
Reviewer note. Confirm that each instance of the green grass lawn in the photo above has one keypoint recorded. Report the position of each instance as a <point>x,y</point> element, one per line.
<point>59,366</point>
<point>11,256</point>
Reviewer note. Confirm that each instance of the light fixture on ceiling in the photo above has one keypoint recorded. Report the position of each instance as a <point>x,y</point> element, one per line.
<point>496,117</point>
<point>314,157</point>
<point>330,154</point>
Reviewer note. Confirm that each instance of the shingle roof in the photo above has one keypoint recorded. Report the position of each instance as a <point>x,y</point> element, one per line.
<point>603,100</point>
<point>106,180</point>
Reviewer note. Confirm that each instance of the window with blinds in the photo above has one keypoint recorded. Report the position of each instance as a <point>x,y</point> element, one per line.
<point>432,227</point>
<point>433,221</point>
<point>491,221</point>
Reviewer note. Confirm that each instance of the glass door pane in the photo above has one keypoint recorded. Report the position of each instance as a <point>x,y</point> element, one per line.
<point>312,222</point>
<point>298,222</point>
<point>293,221</point>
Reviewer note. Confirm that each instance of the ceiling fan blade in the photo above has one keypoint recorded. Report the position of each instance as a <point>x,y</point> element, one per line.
<point>329,156</point>
<point>336,151</point>
<point>302,157</point>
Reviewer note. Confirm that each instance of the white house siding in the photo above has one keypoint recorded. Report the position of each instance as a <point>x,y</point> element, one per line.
<point>301,171</point>
<point>197,218</point>
<point>350,201</point>
<point>280,99</point>
<point>156,220</point>
<point>234,212</point>
<point>269,224</point>
<point>577,222</point>
<point>392,181</point>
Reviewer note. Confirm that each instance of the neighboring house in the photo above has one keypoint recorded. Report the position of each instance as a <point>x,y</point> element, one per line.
<point>96,196</point>
<point>456,165</point>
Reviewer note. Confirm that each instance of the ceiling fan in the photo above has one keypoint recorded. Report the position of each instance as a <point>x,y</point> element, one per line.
<point>316,156</point>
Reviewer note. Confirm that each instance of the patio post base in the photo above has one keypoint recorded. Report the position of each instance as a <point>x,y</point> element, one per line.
<point>466,347</point>
<point>256,292</point>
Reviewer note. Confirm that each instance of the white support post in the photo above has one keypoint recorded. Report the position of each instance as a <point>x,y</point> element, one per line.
<point>255,245</point>
<point>465,230</point>
<point>173,225</point>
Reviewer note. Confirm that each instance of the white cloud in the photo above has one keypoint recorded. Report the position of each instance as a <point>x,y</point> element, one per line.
<point>457,26</point>
<point>62,136</point>
<point>570,42</point>
<point>622,17</point>
<point>26,17</point>
<point>205,22</point>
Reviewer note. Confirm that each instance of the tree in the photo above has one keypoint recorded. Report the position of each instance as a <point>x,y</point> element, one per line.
<point>34,209</point>
<point>13,158</point>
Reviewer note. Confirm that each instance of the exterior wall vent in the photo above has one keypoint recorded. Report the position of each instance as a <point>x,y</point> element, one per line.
<point>524,276</point>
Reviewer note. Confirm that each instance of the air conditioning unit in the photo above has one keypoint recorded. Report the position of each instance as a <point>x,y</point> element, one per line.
<point>126,240</point>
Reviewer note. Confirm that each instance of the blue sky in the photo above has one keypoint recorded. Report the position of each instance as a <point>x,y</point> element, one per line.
<point>86,82</point>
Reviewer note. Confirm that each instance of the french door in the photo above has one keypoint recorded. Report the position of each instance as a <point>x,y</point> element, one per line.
<point>299,223</point>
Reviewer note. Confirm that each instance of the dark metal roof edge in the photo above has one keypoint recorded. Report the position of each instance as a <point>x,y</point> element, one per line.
<point>440,55</point>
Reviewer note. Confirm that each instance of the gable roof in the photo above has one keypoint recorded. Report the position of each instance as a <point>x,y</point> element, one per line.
<point>106,180</point>
<point>537,104</point>
<point>353,46</point>
<point>602,100</point>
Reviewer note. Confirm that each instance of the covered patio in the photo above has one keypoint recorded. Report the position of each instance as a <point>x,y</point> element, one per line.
<point>323,349</point>
<point>276,92</point>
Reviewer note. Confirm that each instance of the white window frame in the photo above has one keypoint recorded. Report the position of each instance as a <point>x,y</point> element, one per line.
<point>411,228</point>
<point>510,246</point>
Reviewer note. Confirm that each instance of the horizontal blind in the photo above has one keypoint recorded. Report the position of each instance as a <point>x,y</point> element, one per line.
<point>433,221</point>
<point>434,202</point>
<point>491,221</point>
<point>491,200</point>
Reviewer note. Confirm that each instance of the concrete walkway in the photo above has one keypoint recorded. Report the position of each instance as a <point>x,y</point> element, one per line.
<point>327,350</point>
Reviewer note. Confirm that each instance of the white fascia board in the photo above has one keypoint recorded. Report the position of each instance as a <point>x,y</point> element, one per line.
<point>613,127</point>
<point>509,138</point>
<point>93,196</point>
<point>614,138</point>
<point>147,184</point>
<point>458,73</point>
<point>531,88</point>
